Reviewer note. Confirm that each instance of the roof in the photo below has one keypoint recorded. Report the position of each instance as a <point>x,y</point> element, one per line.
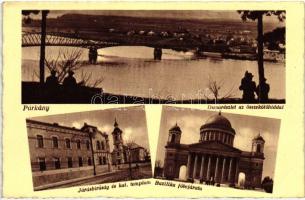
<point>259,137</point>
<point>133,145</point>
<point>175,128</point>
<point>214,145</point>
<point>56,125</point>
<point>117,129</point>
<point>218,121</point>
<point>52,125</point>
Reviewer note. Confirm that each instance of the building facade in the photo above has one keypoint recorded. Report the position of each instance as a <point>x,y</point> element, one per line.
<point>123,153</point>
<point>59,153</point>
<point>214,158</point>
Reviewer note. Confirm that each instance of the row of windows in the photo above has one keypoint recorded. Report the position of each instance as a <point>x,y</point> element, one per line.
<point>100,145</point>
<point>57,163</point>
<point>40,143</point>
<point>225,138</point>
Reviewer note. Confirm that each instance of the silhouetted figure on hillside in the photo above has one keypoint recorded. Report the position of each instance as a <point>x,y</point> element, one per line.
<point>52,81</point>
<point>248,87</point>
<point>262,91</point>
<point>70,81</point>
<point>51,89</point>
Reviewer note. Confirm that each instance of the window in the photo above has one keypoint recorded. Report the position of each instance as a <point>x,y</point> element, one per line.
<point>80,161</point>
<point>173,138</point>
<point>68,143</point>
<point>42,164</point>
<point>55,142</point>
<point>258,148</point>
<point>103,145</point>
<point>118,153</point>
<point>104,161</point>
<point>89,161</point>
<point>100,160</point>
<point>57,163</point>
<point>70,163</point>
<point>88,144</point>
<point>78,144</point>
<point>98,145</point>
<point>39,141</point>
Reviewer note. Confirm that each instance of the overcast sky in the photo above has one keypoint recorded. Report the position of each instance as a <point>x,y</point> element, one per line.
<point>246,127</point>
<point>131,120</point>
<point>185,14</point>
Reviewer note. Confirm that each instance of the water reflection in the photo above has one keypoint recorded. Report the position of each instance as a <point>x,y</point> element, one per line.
<point>132,71</point>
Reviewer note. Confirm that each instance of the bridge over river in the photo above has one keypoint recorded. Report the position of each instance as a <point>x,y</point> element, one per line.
<point>30,39</point>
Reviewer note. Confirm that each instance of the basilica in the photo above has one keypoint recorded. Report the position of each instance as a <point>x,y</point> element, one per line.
<point>214,158</point>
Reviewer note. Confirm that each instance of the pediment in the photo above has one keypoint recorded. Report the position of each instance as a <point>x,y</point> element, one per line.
<point>213,145</point>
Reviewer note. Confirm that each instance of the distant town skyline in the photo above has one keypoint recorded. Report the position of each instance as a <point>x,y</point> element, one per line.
<point>131,120</point>
<point>171,14</point>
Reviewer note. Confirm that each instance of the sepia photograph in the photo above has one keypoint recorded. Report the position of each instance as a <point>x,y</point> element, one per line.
<point>87,148</point>
<point>153,56</point>
<point>217,149</point>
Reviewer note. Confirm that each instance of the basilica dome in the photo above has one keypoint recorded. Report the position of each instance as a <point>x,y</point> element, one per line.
<point>217,121</point>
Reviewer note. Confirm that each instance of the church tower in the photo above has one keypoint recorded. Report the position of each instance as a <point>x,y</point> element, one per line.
<point>118,151</point>
<point>258,145</point>
<point>174,135</point>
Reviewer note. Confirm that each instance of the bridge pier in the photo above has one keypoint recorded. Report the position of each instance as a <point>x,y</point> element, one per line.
<point>92,55</point>
<point>157,54</point>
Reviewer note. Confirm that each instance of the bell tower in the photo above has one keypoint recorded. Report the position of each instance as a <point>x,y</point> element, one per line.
<point>118,151</point>
<point>258,145</point>
<point>174,135</point>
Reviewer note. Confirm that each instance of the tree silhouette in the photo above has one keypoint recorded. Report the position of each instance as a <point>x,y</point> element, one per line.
<point>44,14</point>
<point>258,15</point>
<point>275,37</point>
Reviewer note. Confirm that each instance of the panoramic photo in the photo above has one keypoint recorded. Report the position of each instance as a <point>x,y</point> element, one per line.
<point>217,149</point>
<point>87,148</point>
<point>153,56</point>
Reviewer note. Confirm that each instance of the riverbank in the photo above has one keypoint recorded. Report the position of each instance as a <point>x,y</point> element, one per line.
<point>34,93</point>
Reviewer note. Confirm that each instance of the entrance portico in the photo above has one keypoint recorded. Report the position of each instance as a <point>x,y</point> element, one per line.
<point>208,167</point>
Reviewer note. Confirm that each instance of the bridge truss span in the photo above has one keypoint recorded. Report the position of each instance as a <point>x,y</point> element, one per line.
<point>62,39</point>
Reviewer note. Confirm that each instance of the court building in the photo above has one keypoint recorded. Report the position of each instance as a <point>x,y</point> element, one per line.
<point>59,153</point>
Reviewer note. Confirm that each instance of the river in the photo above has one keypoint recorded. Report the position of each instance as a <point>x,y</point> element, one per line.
<point>132,71</point>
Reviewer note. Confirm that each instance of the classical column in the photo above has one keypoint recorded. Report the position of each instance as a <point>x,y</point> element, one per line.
<point>230,169</point>
<point>236,170</point>
<point>216,169</point>
<point>223,170</point>
<point>201,167</point>
<point>188,166</point>
<point>209,168</point>
<point>195,166</point>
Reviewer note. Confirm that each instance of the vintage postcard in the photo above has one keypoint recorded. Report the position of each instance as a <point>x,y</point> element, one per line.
<point>218,89</point>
